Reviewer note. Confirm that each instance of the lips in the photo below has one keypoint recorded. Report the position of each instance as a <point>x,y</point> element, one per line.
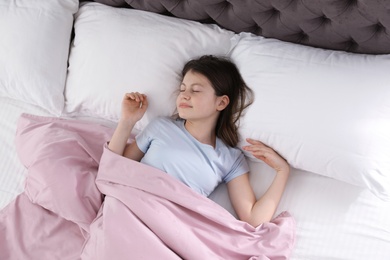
<point>184,105</point>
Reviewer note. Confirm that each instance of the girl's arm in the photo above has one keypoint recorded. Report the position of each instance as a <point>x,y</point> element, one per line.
<point>241,193</point>
<point>134,106</point>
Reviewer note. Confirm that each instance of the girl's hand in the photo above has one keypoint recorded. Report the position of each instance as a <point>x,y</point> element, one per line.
<point>134,105</point>
<point>267,155</point>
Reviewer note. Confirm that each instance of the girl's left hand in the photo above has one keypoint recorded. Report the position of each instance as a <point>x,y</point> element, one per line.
<point>267,154</point>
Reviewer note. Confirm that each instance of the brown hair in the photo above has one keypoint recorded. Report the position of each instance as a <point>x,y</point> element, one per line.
<point>226,79</point>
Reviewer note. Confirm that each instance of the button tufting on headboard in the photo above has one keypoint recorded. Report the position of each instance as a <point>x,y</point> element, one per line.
<point>361,26</point>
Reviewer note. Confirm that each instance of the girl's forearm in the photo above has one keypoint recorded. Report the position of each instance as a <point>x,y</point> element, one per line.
<point>120,137</point>
<point>265,207</point>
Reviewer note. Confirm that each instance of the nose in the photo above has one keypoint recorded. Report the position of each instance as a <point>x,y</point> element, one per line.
<point>185,95</point>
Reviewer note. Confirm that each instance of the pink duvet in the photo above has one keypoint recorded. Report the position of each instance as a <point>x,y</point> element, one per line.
<point>82,201</point>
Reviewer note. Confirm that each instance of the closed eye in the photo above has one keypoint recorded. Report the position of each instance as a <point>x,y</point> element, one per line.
<point>192,90</point>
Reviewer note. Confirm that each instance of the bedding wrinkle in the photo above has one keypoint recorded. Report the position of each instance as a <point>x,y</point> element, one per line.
<point>326,111</point>
<point>146,213</point>
<point>212,213</point>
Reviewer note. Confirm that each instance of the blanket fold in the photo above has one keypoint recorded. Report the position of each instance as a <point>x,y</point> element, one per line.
<point>145,214</point>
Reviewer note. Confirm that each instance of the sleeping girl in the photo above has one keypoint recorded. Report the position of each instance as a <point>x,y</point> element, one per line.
<point>198,145</point>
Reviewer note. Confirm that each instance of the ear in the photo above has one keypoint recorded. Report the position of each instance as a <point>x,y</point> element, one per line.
<point>222,102</point>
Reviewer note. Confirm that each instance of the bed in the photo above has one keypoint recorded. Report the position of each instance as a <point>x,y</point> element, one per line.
<point>318,69</point>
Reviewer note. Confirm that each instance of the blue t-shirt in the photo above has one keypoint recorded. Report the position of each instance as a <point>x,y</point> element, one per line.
<point>169,147</point>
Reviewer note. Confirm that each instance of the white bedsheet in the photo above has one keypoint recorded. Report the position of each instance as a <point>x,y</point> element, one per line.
<point>334,220</point>
<point>12,172</point>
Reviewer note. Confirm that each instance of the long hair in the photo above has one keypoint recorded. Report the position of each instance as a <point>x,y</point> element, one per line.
<point>226,79</point>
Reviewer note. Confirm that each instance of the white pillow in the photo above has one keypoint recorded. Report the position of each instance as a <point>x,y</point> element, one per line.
<point>34,48</point>
<point>123,50</point>
<point>325,111</point>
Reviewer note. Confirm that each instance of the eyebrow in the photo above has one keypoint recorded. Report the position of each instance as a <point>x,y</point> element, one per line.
<point>194,84</point>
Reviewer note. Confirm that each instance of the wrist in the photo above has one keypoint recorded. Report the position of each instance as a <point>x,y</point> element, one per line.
<point>284,171</point>
<point>126,123</point>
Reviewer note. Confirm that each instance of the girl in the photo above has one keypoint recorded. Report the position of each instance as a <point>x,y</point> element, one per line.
<point>198,147</point>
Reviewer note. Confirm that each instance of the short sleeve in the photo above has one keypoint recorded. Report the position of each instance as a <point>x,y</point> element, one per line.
<point>144,138</point>
<point>239,168</point>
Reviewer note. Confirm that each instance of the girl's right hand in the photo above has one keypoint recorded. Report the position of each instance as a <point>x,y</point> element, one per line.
<point>134,105</point>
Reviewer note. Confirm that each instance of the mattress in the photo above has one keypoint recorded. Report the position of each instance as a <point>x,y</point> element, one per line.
<point>335,220</point>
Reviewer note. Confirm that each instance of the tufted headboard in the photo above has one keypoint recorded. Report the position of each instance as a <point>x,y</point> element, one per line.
<point>360,26</point>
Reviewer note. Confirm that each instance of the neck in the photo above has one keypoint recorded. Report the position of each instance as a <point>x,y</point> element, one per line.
<point>203,132</point>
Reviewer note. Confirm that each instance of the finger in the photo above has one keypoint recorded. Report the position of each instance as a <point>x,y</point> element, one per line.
<point>130,96</point>
<point>143,97</point>
<point>144,104</point>
<point>264,154</point>
<point>257,147</point>
<point>136,96</point>
<point>253,141</point>
<point>259,155</point>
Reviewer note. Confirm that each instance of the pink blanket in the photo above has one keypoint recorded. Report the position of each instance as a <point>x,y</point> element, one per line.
<point>82,201</point>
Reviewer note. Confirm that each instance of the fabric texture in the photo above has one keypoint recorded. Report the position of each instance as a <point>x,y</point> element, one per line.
<point>145,214</point>
<point>172,149</point>
<point>355,26</point>
<point>326,112</point>
<point>34,48</point>
<point>118,50</point>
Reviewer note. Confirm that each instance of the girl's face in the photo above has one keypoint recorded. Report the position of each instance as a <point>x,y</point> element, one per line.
<point>197,99</point>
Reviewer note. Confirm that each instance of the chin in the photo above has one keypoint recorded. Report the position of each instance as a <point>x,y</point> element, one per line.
<point>182,116</point>
<point>180,113</point>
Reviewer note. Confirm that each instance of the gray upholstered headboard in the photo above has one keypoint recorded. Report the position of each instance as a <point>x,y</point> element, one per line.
<point>361,26</point>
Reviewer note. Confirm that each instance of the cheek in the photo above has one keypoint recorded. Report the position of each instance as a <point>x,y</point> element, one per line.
<point>207,104</point>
